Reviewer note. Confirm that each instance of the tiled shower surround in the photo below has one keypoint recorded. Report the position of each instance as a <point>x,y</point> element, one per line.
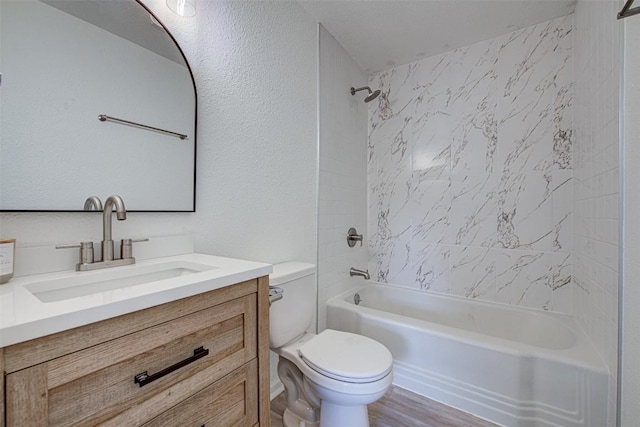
<point>596,175</point>
<point>342,189</point>
<point>470,170</point>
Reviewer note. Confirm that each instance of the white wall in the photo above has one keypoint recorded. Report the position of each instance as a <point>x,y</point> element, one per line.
<point>255,65</point>
<point>596,179</point>
<point>631,238</point>
<point>470,158</point>
<point>343,162</point>
<point>256,75</point>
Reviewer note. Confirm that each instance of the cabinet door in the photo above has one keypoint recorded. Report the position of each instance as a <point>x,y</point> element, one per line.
<point>95,386</point>
<point>26,397</point>
<point>232,400</point>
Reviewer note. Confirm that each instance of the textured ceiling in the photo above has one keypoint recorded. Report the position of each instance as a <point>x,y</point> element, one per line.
<point>382,34</point>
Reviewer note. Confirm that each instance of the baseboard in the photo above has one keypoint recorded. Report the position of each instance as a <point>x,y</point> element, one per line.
<point>276,389</point>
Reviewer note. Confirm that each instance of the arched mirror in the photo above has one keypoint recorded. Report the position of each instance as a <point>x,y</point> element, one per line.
<point>64,63</point>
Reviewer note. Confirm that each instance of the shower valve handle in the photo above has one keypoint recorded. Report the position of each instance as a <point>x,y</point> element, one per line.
<point>353,237</point>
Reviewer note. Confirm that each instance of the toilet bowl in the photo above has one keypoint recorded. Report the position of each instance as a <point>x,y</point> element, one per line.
<point>331,377</point>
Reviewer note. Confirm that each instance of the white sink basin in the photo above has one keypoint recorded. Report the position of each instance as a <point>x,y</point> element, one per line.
<point>98,281</point>
<point>37,305</point>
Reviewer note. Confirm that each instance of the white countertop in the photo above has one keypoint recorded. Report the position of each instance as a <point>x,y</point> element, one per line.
<point>23,316</point>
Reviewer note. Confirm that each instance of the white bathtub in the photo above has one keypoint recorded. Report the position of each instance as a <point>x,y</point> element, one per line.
<point>512,366</point>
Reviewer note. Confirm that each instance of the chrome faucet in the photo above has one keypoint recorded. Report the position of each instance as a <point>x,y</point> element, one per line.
<point>121,214</point>
<point>87,262</point>
<point>93,203</point>
<point>361,273</point>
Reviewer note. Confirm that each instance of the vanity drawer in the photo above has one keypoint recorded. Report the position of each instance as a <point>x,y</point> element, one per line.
<point>232,400</point>
<point>96,385</point>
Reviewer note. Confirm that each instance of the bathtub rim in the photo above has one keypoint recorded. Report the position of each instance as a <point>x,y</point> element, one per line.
<point>582,353</point>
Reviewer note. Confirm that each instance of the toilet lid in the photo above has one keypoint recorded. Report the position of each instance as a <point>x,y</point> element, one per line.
<point>347,357</point>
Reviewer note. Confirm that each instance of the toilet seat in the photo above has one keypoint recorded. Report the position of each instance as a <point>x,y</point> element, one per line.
<point>346,357</point>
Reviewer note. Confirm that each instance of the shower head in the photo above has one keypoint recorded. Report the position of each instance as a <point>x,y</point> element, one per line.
<point>372,95</point>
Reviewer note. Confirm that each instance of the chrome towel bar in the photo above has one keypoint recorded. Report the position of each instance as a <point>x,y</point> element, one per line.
<point>105,118</point>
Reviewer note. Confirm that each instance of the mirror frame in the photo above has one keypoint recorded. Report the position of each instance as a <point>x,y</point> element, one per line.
<point>195,138</point>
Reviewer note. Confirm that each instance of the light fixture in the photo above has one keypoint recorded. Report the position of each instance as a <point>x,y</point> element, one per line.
<point>182,7</point>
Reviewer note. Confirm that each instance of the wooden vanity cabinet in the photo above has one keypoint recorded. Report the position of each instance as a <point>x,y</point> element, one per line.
<point>198,361</point>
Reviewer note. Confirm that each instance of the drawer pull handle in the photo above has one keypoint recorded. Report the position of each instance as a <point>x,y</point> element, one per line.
<point>144,378</point>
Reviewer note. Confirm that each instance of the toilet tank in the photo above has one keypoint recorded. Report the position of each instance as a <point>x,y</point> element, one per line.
<point>291,316</point>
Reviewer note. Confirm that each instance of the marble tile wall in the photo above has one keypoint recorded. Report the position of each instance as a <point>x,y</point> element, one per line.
<point>597,46</point>
<point>342,188</point>
<point>470,170</point>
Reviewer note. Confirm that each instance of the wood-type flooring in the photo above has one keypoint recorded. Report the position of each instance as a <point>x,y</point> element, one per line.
<point>402,408</point>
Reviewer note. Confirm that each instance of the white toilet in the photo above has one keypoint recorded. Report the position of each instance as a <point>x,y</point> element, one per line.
<point>328,378</point>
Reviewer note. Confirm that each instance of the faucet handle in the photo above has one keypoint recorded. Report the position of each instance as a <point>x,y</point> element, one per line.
<point>136,240</point>
<point>126,247</point>
<point>86,251</point>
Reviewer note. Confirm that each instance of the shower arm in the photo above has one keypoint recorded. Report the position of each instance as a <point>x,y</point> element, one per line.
<point>372,94</point>
<point>353,90</point>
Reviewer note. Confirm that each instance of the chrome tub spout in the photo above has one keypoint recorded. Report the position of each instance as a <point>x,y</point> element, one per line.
<point>361,273</point>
